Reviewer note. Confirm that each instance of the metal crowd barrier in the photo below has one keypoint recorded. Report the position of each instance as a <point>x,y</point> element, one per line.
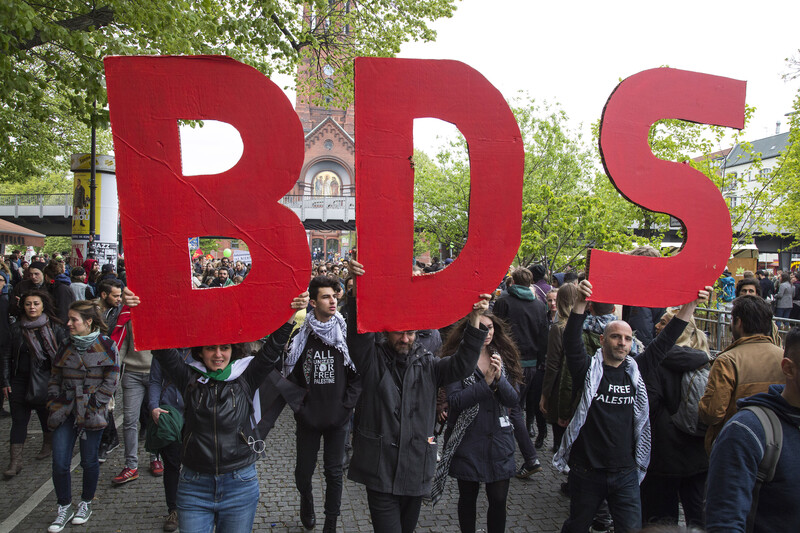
<point>717,325</point>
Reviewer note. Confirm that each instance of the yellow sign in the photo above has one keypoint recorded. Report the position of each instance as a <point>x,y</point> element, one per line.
<point>81,200</point>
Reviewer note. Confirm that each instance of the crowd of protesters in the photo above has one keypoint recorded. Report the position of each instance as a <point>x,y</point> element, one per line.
<point>645,418</point>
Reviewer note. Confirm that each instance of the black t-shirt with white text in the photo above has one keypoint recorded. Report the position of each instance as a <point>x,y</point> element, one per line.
<point>606,438</point>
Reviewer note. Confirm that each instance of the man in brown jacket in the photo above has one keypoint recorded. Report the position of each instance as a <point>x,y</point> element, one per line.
<point>749,365</point>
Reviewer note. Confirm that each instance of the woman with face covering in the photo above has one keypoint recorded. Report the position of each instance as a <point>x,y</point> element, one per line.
<point>479,445</point>
<point>220,442</point>
<point>82,382</point>
<point>34,341</point>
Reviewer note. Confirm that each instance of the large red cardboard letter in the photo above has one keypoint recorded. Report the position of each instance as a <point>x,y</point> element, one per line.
<point>161,209</point>
<point>390,94</point>
<point>666,187</point>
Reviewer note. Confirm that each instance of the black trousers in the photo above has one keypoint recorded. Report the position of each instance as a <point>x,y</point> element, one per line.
<point>393,514</point>
<point>21,410</point>
<point>661,494</point>
<point>171,456</point>
<point>332,456</point>
<point>496,493</point>
<point>530,394</point>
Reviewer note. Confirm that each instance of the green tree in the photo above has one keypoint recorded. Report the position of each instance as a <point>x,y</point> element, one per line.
<point>786,210</point>
<point>51,52</point>
<point>441,198</point>
<point>567,207</point>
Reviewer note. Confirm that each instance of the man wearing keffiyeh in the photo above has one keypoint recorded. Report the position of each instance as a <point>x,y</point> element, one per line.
<point>319,361</point>
<point>606,447</point>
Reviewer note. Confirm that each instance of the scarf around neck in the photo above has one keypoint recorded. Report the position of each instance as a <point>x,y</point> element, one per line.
<point>641,415</point>
<point>40,337</point>
<point>523,293</point>
<point>231,372</point>
<point>82,342</point>
<point>332,333</point>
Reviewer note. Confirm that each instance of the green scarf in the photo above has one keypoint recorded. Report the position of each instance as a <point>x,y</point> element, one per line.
<point>218,375</point>
<point>83,342</point>
<point>523,293</point>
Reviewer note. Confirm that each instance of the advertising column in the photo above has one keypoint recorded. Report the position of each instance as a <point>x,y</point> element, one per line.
<point>106,209</point>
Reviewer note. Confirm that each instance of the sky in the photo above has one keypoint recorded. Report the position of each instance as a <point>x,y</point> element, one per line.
<point>575,54</point>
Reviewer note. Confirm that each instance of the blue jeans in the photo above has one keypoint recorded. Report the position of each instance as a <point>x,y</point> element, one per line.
<point>63,443</point>
<point>228,501</point>
<point>588,488</point>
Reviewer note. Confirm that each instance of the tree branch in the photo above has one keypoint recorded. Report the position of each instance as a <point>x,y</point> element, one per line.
<point>96,18</point>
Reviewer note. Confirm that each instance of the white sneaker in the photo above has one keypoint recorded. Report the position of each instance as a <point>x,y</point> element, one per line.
<point>83,514</point>
<point>65,514</point>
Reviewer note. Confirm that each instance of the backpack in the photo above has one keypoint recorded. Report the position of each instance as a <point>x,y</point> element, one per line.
<point>728,289</point>
<point>693,386</point>
<point>772,452</point>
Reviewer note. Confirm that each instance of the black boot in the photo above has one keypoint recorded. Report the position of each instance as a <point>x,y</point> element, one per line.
<point>330,524</point>
<point>307,515</point>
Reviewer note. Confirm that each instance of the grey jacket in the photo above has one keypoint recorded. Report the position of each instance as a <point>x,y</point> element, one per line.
<point>785,293</point>
<point>393,444</point>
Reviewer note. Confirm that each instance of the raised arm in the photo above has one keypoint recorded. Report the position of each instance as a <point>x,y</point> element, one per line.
<point>360,345</point>
<point>657,350</point>
<point>459,365</point>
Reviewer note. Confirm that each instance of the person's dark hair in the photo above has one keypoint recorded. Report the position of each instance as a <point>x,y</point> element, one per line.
<point>107,284</point>
<point>318,282</point>
<point>90,310</point>
<point>522,276</point>
<point>748,281</point>
<point>47,304</point>
<point>754,313</point>
<point>538,272</point>
<point>237,351</point>
<point>77,274</point>
<point>569,277</point>
<point>601,308</point>
<point>52,269</point>
<point>784,276</point>
<point>791,346</point>
<point>501,341</point>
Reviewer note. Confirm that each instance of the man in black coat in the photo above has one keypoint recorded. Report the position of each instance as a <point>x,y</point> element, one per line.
<point>394,448</point>
<point>527,316</point>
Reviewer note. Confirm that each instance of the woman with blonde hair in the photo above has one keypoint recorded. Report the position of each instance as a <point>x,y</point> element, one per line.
<point>678,460</point>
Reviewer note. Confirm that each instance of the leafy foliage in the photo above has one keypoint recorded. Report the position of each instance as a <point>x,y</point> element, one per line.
<point>787,180</point>
<point>51,53</point>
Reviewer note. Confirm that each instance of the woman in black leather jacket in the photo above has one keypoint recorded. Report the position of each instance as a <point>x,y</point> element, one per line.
<point>35,338</point>
<point>220,444</point>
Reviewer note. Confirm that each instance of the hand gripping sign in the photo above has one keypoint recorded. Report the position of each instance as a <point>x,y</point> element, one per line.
<point>390,94</point>
<point>161,209</point>
<point>664,186</point>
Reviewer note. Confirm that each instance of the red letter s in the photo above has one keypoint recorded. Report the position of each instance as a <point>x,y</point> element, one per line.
<point>664,186</point>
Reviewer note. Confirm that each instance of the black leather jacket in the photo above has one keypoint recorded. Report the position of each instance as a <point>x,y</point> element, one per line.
<point>218,413</point>
<point>17,347</point>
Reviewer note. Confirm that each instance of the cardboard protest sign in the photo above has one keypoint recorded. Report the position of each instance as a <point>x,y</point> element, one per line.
<point>161,209</point>
<point>389,95</point>
<point>666,187</point>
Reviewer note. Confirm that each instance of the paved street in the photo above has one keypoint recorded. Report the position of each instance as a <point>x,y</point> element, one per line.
<point>28,503</point>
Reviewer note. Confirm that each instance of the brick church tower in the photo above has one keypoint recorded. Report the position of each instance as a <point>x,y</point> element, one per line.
<point>329,164</point>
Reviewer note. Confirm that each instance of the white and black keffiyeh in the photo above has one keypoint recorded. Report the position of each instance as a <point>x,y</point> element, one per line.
<point>333,333</point>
